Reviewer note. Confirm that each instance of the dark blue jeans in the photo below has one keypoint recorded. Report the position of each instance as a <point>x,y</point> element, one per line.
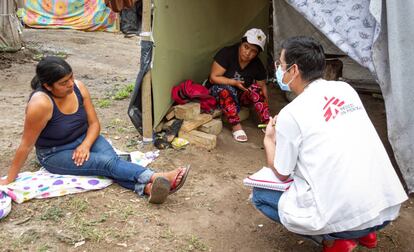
<point>103,161</point>
<point>266,201</point>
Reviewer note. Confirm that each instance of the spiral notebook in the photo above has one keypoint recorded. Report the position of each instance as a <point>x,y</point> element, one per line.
<point>265,178</point>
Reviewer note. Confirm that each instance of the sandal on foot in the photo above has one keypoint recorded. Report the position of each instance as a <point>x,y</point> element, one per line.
<point>238,134</point>
<point>175,187</point>
<point>159,190</point>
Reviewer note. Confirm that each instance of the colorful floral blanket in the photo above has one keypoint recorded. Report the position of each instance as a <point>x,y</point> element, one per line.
<point>42,184</point>
<point>85,15</point>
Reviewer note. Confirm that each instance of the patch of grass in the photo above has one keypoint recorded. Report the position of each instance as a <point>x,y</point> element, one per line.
<point>37,56</point>
<point>168,234</point>
<point>115,123</point>
<point>195,244</point>
<point>130,87</point>
<point>103,103</point>
<point>53,213</point>
<point>121,130</point>
<point>87,229</point>
<point>125,212</point>
<point>29,236</point>
<point>43,248</point>
<point>124,92</point>
<point>78,204</point>
<point>63,55</point>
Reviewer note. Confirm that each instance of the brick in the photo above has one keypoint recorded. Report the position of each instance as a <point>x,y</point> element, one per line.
<point>195,123</point>
<point>187,111</point>
<point>170,115</point>
<point>168,124</point>
<point>213,127</point>
<point>159,127</point>
<point>201,139</point>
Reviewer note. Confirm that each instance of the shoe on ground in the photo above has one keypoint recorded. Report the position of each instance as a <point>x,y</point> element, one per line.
<point>341,246</point>
<point>369,241</point>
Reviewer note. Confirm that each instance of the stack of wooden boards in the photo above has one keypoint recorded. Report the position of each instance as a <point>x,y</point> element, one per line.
<point>199,129</point>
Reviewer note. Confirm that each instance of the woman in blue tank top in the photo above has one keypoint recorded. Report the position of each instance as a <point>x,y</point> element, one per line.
<point>62,124</point>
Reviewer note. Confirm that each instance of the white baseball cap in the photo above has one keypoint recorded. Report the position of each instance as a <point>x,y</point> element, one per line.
<point>256,37</point>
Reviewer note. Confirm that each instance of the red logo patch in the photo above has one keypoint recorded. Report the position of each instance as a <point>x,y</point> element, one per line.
<point>332,107</point>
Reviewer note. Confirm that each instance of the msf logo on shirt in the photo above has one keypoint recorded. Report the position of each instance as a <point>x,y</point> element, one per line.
<point>332,107</point>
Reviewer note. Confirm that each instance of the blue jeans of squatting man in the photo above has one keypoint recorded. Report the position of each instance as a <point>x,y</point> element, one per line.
<point>103,161</point>
<point>266,201</point>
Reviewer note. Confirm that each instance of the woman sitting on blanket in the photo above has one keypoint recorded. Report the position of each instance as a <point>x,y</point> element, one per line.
<point>239,78</point>
<point>62,124</point>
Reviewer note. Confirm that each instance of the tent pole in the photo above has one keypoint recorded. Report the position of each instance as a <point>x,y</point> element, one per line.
<point>146,83</point>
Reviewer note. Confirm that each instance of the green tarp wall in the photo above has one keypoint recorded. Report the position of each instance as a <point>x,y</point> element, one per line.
<point>187,34</point>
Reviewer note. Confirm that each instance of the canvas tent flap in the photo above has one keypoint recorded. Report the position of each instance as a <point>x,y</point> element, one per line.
<point>187,34</point>
<point>10,39</point>
<point>348,24</point>
<point>393,61</point>
<point>92,15</point>
<point>288,22</point>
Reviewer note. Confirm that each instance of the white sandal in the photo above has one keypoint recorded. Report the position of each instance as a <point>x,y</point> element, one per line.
<point>239,133</point>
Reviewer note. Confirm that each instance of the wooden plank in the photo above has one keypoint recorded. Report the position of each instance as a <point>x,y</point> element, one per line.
<point>168,124</point>
<point>159,127</point>
<point>214,127</point>
<point>170,114</point>
<point>197,122</point>
<point>146,108</point>
<point>146,17</point>
<point>187,111</point>
<point>200,139</point>
<point>146,83</point>
<point>118,22</point>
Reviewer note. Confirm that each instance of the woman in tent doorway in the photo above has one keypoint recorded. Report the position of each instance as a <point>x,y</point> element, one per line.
<point>62,124</point>
<point>238,77</point>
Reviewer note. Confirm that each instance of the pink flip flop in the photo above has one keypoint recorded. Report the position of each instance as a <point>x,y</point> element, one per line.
<point>175,187</point>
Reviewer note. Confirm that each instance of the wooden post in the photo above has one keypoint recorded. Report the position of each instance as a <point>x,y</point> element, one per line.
<point>146,108</point>
<point>146,82</point>
<point>10,39</point>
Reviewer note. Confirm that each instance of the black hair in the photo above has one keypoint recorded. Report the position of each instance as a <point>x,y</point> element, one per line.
<point>244,39</point>
<point>307,54</point>
<point>49,70</point>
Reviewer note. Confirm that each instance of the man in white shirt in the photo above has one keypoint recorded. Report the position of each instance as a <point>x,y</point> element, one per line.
<point>345,188</point>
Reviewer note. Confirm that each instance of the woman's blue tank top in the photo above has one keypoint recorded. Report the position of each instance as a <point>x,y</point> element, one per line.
<point>61,128</point>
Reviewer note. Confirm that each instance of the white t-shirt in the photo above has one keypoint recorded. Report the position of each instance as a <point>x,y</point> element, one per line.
<point>343,178</point>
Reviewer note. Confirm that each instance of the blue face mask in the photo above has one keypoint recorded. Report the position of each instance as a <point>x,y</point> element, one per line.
<point>279,77</point>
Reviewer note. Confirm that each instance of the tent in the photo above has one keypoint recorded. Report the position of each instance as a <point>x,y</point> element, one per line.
<point>185,35</point>
<point>10,39</point>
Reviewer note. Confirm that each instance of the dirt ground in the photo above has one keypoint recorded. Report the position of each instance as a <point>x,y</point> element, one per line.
<point>210,213</point>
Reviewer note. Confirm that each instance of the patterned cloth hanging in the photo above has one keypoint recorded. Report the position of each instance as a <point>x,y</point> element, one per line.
<point>85,15</point>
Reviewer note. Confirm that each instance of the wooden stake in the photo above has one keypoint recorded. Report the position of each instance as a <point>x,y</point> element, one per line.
<point>146,108</point>
<point>146,82</point>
